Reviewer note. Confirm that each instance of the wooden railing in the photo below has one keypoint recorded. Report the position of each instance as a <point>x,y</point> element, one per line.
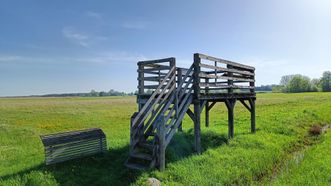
<point>214,75</point>
<point>151,73</point>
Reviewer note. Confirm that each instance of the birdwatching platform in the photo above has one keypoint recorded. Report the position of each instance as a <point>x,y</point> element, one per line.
<point>165,93</point>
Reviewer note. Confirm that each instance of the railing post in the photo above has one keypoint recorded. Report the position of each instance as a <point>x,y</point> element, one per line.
<point>178,92</point>
<point>252,84</point>
<point>196,78</point>
<point>230,82</point>
<point>161,139</point>
<point>197,109</point>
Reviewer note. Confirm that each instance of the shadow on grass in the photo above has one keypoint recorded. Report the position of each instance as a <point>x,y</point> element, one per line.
<point>109,169</point>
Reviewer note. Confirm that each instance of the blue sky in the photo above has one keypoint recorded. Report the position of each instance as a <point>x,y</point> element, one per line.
<point>76,46</point>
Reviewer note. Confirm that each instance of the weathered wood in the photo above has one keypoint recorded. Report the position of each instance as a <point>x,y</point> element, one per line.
<point>197,129</point>
<point>252,105</point>
<point>178,93</point>
<point>207,114</point>
<point>245,104</point>
<point>211,76</point>
<point>221,69</point>
<point>173,94</point>
<point>161,138</point>
<point>222,86</point>
<point>230,103</point>
<point>70,145</point>
<point>153,96</point>
<point>203,56</point>
<point>156,61</point>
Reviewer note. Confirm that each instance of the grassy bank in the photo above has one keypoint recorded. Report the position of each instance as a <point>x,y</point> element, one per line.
<point>282,121</point>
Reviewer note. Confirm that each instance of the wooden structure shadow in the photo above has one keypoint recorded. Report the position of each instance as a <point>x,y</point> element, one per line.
<point>165,93</point>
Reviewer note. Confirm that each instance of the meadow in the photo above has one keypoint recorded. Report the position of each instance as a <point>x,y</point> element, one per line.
<point>282,152</point>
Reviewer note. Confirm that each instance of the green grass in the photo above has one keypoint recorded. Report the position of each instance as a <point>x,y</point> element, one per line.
<point>282,122</point>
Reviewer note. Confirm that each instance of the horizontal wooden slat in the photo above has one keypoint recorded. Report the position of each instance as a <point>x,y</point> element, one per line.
<point>62,159</point>
<point>152,78</point>
<point>73,151</point>
<point>64,137</point>
<point>203,56</point>
<point>74,144</point>
<point>211,76</point>
<point>154,72</point>
<point>225,86</point>
<point>156,61</point>
<point>226,69</point>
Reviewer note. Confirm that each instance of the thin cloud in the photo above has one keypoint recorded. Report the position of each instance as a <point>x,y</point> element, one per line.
<point>93,14</point>
<point>75,36</point>
<point>104,58</point>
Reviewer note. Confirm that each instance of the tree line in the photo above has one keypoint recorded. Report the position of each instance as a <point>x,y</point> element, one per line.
<point>92,93</point>
<point>300,83</point>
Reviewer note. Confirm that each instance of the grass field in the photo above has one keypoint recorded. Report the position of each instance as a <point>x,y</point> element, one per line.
<point>280,153</point>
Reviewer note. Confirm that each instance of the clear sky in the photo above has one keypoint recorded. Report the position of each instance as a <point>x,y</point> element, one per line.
<point>75,46</point>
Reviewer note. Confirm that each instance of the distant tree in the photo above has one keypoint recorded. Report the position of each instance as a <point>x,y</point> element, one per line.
<point>298,83</point>
<point>286,79</point>
<point>315,85</point>
<point>326,81</point>
<point>278,88</point>
<point>103,93</point>
<point>94,93</point>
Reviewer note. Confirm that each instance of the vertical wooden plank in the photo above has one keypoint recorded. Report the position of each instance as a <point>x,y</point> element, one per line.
<point>140,79</point>
<point>252,84</point>
<point>230,82</point>
<point>196,78</point>
<point>252,105</point>
<point>178,92</point>
<point>207,113</point>
<point>161,137</point>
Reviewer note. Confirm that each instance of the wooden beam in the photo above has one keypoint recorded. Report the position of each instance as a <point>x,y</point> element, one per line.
<point>207,114</point>
<point>230,103</point>
<point>203,56</point>
<point>212,105</point>
<point>245,104</point>
<point>156,61</point>
<point>197,130</point>
<point>162,144</point>
<point>190,114</point>
<point>252,104</point>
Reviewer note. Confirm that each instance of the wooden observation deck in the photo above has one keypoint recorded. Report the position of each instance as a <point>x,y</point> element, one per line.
<point>165,93</point>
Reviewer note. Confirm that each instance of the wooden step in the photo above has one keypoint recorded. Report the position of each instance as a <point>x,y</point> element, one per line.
<point>136,166</point>
<point>146,146</point>
<point>141,155</point>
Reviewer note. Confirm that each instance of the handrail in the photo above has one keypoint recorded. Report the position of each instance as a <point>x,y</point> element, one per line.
<point>152,98</point>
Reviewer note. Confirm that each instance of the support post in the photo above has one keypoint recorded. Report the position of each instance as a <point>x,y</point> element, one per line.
<point>207,114</point>
<point>161,138</point>
<point>197,129</point>
<point>230,103</point>
<point>252,105</point>
<point>197,109</point>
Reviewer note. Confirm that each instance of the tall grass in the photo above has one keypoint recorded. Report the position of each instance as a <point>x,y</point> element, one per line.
<point>282,123</point>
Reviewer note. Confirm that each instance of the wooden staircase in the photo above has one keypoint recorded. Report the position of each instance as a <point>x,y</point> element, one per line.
<point>158,119</point>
